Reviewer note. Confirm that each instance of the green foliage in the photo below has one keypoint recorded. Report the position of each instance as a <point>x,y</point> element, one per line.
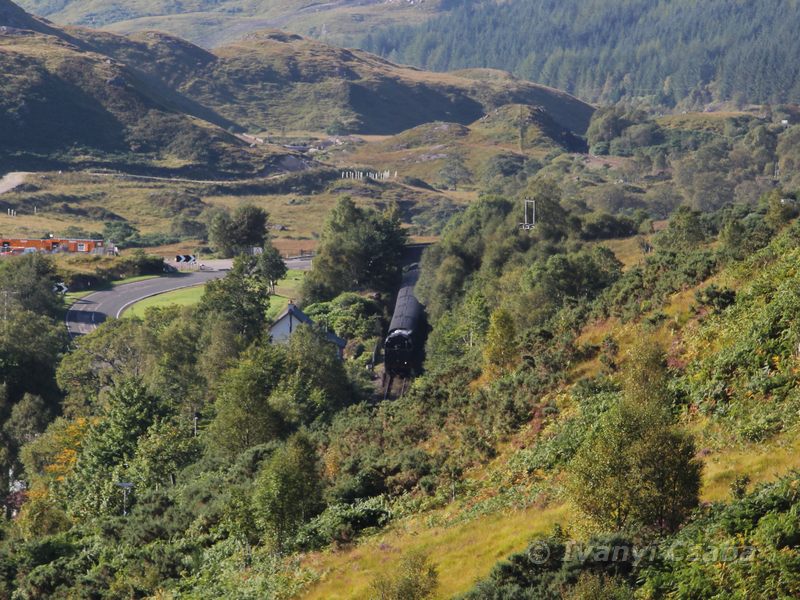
<point>454,172</point>
<point>316,378</point>
<point>604,226</point>
<point>32,340</point>
<point>109,446</point>
<point>685,230</point>
<point>610,123</point>
<point>29,418</point>
<point>649,283</point>
<point>500,350</point>
<point>416,579</point>
<point>564,437</point>
<point>271,265</point>
<point>288,491</point>
<point>340,523</point>
<point>30,278</point>
<point>576,275</point>
<point>552,568</point>
<point>272,390</point>
<point>185,227</point>
<point>359,249</point>
<point>754,343</point>
<point>780,209</point>
<point>243,416</point>
<point>638,470</point>
<point>599,587</point>
<point>446,266</point>
<point>715,298</point>
<point>165,449</point>
<point>242,296</point>
<point>746,549</point>
<point>350,315</point>
<point>236,233</point>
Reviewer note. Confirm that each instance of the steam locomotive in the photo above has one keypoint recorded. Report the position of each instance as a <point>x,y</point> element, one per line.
<point>405,343</point>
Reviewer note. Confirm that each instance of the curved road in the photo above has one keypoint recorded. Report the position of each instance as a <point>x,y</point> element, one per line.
<point>90,311</point>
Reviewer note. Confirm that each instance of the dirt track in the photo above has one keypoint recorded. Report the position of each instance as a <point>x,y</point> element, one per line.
<point>11,180</point>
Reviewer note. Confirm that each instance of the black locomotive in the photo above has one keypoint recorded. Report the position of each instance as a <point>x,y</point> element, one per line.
<point>405,344</point>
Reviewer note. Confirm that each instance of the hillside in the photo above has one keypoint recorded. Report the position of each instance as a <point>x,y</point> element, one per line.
<point>63,102</point>
<point>277,81</point>
<point>211,23</point>
<point>624,372</point>
<point>154,93</point>
<point>454,157</point>
<point>670,51</point>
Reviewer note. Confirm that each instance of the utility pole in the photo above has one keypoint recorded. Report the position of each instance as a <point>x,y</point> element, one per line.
<point>6,294</point>
<point>125,485</point>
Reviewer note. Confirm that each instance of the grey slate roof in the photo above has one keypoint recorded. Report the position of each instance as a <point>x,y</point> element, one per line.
<point>298,314</point>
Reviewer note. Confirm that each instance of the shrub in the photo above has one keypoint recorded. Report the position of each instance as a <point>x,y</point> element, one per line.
<point>416,579</point>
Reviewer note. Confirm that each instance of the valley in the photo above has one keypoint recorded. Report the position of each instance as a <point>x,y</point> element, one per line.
<point>286,223</point>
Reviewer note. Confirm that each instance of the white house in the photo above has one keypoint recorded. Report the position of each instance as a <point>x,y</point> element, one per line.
<point>288,321</point>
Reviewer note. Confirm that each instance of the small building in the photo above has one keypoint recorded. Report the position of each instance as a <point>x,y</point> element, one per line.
<point>23,246</point>
<point>288,321</point>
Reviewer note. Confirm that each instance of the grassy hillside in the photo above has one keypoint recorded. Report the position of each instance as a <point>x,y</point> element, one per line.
<point>453,157</point>
<point>61,203</point>
<point>748,428</point>
<point>161,100</point>
<point>62,102</point>
<point>276,81</point>
<point>654,306</point>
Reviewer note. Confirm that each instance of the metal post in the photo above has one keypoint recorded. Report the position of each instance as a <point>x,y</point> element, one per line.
<point>125,485</point>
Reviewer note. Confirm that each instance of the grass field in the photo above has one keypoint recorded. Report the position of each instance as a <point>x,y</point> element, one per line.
<point>466,552</point>
<point>287,289</point>
<point>183,297</point>
<point>462,554</point>
<point>60,203</point>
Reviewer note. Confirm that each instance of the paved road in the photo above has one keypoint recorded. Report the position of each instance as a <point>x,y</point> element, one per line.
<point>90,311</point>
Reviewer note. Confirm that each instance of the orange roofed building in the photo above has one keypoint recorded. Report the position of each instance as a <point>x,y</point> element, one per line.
<point>22,246</point>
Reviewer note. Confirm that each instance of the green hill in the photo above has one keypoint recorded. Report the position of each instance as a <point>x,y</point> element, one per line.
<point>274,80</point>
<point>670,50</point>
<point>62,101</point>
<point>152,92</point>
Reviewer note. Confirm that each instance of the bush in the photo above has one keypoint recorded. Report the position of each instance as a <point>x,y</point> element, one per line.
<point>416,579</point>
<point>341,523</point>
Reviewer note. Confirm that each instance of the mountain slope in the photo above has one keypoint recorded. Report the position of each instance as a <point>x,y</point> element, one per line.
<point>214,22</point>
<point>372,95</point>
<point>671,50</point>
<point>270,80</point>
<point>275,80</point>
<point>63,101</point>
